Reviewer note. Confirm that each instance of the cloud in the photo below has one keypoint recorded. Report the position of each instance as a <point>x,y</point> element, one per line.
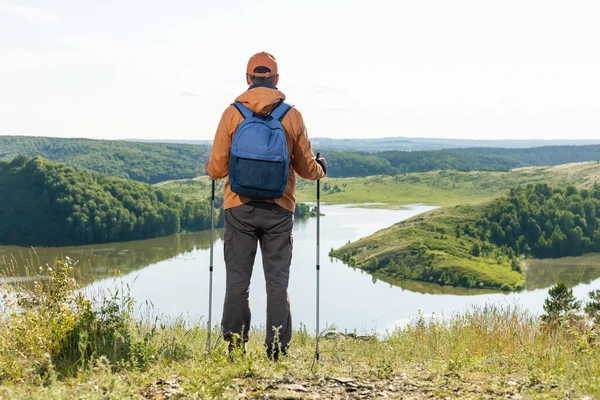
<point>31,13</point>
<point>23,60</point>
<point>324,89</point>
<point>95,48</point>
<point>346,109</point>
<point>188,93</point>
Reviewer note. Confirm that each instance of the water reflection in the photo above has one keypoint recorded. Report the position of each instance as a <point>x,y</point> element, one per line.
<point>430,288</point>
<point>100,260</point>
<point>572,271</point>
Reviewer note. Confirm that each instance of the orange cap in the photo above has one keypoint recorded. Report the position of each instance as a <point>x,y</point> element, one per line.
<point>265,60</point>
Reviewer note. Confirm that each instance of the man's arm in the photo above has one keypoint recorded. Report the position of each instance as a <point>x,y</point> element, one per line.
<point>217,166</point>
<point>305,163</point>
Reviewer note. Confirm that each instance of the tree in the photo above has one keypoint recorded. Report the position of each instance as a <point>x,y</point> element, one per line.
<point>559,243</point>
<point>476,250</point>
<point>374,263</point>
<point>592,308</point>
<point>561,305</point>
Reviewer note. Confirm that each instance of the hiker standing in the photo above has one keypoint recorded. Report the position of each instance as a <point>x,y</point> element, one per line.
<point>259,144</point>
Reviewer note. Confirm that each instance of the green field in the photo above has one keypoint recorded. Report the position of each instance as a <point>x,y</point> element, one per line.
<point>439,188</point>
<point>444,188</point>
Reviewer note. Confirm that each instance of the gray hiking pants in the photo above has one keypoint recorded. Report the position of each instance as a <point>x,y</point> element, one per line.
<point>245,226</point>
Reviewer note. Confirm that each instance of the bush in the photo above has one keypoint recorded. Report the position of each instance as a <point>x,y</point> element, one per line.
<point>506,287</point>
<point>52,327</point>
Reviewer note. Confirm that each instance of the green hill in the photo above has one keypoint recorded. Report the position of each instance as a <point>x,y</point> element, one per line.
<point>479,246</point>
<point>51,204</point>
<point>426,248</point>
<point>538,156</point>
<point>156,162</point>
<point>145,162</point>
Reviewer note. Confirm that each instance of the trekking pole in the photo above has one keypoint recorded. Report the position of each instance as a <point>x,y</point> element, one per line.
<point>318,257</point>
<point>210,267</point>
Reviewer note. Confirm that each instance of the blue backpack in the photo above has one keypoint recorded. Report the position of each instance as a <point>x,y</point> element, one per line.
<point>259,162</point>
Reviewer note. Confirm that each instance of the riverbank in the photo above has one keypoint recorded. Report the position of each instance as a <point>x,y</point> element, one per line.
<point>99,350</point>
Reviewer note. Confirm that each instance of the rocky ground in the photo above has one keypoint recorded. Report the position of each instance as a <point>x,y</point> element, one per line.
<point>418,385</point>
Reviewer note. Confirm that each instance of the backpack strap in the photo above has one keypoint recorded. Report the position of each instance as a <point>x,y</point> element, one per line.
<point>245,111</point>
<point>280,111</point>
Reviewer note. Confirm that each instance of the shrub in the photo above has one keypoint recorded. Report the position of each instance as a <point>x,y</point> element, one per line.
<point>506,287</point>
<point>50,326</point>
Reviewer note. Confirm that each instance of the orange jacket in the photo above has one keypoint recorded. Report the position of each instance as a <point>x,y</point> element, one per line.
<point>263,100</point>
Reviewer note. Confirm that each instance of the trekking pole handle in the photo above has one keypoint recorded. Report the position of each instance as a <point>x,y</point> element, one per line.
<point>318,186</point>
<point>212,198</point>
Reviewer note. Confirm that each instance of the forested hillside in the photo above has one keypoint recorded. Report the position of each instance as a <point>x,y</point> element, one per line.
<point>158,162</point>
<point>539,156</point>
<point>544,221</point>
<point>47,203</point>
<point>145,162</point>
<point>423,161</point>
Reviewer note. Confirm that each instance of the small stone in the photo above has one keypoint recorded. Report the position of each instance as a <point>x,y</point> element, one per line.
<point>512,383</point>
<point>383,394</point>
<point>343,380</point>
<point>391,388</point>
<point>295,387</point>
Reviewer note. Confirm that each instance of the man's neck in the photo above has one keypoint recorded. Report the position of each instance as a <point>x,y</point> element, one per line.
<point>267,85</point>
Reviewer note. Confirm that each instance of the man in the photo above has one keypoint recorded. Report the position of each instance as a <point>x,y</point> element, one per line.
<point>249,221</point>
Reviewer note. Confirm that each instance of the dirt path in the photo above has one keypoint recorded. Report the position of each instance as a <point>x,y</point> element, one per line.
<point>405,386</point>
<point>419,385</point>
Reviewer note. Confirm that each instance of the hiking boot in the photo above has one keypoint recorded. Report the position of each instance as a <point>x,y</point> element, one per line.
<point>274,354</point>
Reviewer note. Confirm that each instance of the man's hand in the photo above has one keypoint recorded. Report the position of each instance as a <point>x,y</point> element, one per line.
<point>323,163</point>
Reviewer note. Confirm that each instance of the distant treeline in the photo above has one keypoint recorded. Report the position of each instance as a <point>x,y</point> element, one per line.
<point>157,162</point>
<point>346,164</point>
<point>539,156</point>
<point>343,164</point>
<point>47,203</point>
<point>542,221</point>
<point>144,162</point>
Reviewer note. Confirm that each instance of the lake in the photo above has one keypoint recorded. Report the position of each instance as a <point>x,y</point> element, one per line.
<point>172,274</point>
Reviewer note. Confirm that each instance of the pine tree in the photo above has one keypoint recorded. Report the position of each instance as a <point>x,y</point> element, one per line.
<point>592,308</point>
<point>561,305</point>
<point>476,251</point>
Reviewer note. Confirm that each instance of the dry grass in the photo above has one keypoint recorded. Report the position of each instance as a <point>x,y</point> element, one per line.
<point>487,352</point>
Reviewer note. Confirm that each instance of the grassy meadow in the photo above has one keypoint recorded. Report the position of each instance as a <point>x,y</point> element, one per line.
<point>439,188</point>
<point>56,343</point>
<point>446,188</point>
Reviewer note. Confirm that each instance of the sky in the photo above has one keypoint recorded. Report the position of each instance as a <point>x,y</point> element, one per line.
<point>471,69</point>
